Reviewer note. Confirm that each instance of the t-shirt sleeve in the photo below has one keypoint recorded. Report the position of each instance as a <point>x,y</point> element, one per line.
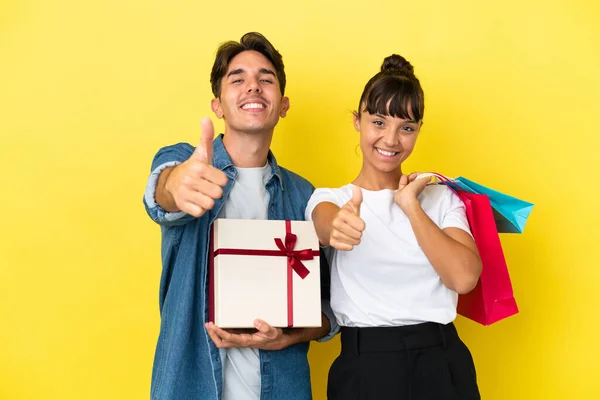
<point>320,196</point>
<point>455,215</point>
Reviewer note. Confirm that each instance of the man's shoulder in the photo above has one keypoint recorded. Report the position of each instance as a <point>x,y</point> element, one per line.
<point>181,147</point>
<point>178,152</point>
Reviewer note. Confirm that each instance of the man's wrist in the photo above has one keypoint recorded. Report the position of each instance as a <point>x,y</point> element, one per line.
<point>292,336</point>
<point>163,194</point>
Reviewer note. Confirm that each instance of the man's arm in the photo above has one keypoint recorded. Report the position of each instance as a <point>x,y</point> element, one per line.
<point>182,183</point>
<point>162,195</point>
<point>193,185</point>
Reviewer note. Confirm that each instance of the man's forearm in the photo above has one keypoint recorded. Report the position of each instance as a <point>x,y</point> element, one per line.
<point>162,196</point>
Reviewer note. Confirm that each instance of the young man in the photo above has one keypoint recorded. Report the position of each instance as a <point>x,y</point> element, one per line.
<point>232,176</point>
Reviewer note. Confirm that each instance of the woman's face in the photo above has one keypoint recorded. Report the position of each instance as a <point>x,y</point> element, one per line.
<point>385,141</point>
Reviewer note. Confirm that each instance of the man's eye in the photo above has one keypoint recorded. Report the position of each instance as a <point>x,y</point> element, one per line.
<point>378,123</point>
<point>266,81</point>
<point>408,129</point>
<point>237,81</point>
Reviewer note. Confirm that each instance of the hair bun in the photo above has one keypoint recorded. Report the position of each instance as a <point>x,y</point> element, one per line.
<point>396,63</point>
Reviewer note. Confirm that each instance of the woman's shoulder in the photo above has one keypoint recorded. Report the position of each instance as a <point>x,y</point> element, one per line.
<point>436,190</point>
<point>335,195</point>
<point>339,190</point>
<point>436,194</point>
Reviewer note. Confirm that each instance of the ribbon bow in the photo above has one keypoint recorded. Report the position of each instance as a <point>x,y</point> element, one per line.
<point>294,257</point>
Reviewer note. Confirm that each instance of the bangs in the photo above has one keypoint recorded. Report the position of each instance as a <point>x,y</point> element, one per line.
<point>394,96</point>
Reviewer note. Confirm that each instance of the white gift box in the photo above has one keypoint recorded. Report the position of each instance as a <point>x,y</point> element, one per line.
<point>257,271</point>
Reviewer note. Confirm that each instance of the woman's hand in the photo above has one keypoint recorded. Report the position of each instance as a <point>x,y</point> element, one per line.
<point>347,225</point>
<point>409,189</point>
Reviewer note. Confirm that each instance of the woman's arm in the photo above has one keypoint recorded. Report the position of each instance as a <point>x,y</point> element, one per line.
<point>451,251</point>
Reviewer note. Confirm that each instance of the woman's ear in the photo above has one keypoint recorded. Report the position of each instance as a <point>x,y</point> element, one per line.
<point>356,119</point>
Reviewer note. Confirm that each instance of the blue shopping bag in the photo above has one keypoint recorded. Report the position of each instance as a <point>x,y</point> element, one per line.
<point>510,213</point>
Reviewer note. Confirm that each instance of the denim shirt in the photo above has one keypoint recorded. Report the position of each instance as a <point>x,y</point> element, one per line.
<point>187,364</point>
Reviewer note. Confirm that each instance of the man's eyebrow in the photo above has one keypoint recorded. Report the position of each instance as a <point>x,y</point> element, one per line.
<point>235,72</point>
<point>266,71</point>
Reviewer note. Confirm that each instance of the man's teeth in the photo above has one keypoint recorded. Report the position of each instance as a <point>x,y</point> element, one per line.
<point>252,105</point>
<point>387,153</point>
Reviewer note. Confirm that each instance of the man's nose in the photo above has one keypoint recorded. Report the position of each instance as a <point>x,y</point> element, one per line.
<point>254,86</point>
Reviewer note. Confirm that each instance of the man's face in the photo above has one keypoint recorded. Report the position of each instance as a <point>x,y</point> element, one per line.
<point>251,100</point>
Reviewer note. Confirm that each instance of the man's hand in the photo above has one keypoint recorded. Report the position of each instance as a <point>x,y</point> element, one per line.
<point>266,337</point>
<point>194,185</point>
<point>347,226</point>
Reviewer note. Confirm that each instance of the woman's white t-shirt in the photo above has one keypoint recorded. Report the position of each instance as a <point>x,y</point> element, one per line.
<point>387,280</point>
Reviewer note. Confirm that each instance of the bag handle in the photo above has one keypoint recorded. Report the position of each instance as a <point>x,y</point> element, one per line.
<point>445,180</point>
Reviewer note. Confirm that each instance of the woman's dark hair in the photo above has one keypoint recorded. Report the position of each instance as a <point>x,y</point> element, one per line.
<point>394,91</point>
<point>250,41</point>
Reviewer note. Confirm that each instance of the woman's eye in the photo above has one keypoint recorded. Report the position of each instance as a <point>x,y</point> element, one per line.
<point>408,129</point>
<point>378,123</point>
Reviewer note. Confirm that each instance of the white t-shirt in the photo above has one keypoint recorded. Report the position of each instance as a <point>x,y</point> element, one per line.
<point>387,280</point>
<point>248,199</point>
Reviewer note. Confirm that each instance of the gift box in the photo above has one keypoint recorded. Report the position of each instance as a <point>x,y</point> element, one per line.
<point>264,269</point>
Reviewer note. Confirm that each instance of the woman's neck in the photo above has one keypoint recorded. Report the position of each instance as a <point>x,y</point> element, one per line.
<point>371,179</point>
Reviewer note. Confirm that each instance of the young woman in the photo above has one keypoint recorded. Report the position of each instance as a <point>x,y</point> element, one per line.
<point>400,253</point>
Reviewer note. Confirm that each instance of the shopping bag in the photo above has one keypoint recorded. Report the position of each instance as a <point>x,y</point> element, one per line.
<point>492,298</point>
<point>510,213</point>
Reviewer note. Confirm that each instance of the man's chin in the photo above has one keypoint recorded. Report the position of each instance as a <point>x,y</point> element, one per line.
<point>257,128</point>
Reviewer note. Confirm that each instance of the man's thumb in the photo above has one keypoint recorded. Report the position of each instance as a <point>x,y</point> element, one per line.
<point>205,147</point>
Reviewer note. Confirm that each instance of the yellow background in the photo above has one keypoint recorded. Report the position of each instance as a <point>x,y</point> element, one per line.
<point>90,90</point>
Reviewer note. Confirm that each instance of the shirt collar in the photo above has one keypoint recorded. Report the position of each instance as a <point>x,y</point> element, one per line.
<point>222,161</point>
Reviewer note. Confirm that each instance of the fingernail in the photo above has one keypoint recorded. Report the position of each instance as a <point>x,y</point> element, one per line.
<point>257,324</point>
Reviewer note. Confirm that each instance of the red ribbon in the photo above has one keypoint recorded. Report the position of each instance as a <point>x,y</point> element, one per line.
<point>294,261</point>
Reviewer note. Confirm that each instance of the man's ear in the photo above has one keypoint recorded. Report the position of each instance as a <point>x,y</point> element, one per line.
<point>215,104</point>
<point>285,106</point>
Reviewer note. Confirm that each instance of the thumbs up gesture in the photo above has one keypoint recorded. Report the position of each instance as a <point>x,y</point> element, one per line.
<point>195,184</point>
<point>347,226</point>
